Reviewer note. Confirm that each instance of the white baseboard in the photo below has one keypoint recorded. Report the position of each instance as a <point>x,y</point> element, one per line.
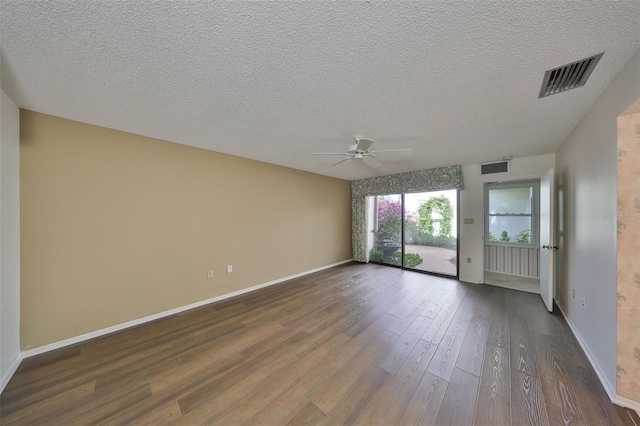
<point>625,402</point>
<point>608,387</point>
<point>87,336</point>
<point>10,372</point>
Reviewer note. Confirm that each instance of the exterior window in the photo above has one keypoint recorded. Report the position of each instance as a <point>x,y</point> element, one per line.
<point>512,213</point>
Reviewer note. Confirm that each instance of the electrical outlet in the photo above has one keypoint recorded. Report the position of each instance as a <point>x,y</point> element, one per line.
<point>574,293</point>
<point>584,304</point>
<point>210,274</point>
<point>468,260</point>
<point>229,269</point>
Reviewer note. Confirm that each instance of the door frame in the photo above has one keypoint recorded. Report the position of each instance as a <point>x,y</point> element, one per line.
<point>482,205</point>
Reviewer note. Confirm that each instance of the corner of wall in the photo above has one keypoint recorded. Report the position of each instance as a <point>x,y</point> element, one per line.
<point>9,239</point>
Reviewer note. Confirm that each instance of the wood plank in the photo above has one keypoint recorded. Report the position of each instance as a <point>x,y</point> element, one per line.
<point>562,404</point>
<point>499,326</point>
<point>522,358</point>
<point>398,353</point>
<point>444,360</point>
<point>389,403</point>
<point>459,401</point>
<point>309,415</point>
<point>342,384</point>
<point>467,306</point>
<point>50,406</point>
<point>484,307</point>
<point>439,325</point>
<point>473,347</point>
<point>592,398</point>
<point>539,319</point>
<point>435,304</point>
<point>527,401</point>
<point>426,401</point>
<point>493,406</point>
<point>287,398</point>
<point>567,344</point>
<point>348,409</point>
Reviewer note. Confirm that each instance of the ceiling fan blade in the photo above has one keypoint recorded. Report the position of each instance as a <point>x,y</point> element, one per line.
<point>341,161</point>
<point>363,144</point>
<point>372,162</point>
<point>399,151</point>
<point>330,153</point>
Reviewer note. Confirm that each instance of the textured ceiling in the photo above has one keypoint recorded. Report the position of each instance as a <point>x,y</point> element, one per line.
<point>456,81</point>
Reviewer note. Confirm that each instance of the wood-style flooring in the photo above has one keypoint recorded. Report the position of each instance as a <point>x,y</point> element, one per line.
<point>356,344</point>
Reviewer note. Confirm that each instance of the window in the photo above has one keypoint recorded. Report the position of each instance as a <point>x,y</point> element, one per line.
<point>512,213</point>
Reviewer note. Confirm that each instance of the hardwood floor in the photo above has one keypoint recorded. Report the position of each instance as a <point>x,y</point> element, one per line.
<point>356,344</point>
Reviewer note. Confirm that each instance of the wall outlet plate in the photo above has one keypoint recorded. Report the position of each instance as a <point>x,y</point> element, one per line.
<point>229,269</point>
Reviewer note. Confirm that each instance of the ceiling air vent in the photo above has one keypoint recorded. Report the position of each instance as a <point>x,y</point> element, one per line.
<point>495,167</point>
<point>569,76</point>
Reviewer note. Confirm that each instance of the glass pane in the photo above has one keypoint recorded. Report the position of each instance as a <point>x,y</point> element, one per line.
<point>430,232</point>
<point>510,229</point>
<point>388,244</point>
<point>511,200</point>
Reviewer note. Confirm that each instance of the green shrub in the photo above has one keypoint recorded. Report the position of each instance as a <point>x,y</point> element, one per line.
<point>504,237</point>
<point>523,236</point>
<point>492,237</point>
<point>423,239</point>
<point>410,259</point>
<point>454,260</point>
<point>376,255</point>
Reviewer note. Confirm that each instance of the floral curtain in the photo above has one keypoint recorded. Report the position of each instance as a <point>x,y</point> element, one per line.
<point>439,179</point>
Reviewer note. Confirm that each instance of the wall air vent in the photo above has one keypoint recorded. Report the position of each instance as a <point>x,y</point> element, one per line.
<point>495,167</point>
<point>568,76</point>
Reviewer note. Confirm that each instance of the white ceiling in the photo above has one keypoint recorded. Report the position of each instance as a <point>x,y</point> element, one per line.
<point>456,81</point>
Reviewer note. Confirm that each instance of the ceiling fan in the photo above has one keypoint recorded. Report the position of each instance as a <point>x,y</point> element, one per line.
<point>361,151</point>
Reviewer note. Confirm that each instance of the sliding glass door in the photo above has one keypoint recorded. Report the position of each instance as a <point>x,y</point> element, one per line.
<point>415,231</point>
<point>430,232</point>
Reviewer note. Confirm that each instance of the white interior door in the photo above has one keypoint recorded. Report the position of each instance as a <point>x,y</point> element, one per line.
<point>547,243</point>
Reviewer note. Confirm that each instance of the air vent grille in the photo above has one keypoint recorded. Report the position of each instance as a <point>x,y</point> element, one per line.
<point>568,76</point>
<point>496,167</point>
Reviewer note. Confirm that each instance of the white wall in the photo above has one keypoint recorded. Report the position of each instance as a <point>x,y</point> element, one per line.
<point>586,178</point>
<point>472,206</point>
<point>9,239</point>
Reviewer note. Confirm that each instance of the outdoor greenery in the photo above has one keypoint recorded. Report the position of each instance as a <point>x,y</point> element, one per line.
<point>422,239</point>
<point>412,259</point>
<point>433,227</point>
<point>376,255</point>
<point>389,219</point>
<point>522,237</point>
<point>426,220</point>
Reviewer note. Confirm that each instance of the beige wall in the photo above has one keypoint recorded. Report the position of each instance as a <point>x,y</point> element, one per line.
<point>116,226</point>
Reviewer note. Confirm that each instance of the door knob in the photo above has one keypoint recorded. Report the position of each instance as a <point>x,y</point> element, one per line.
<point>550,247</point>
